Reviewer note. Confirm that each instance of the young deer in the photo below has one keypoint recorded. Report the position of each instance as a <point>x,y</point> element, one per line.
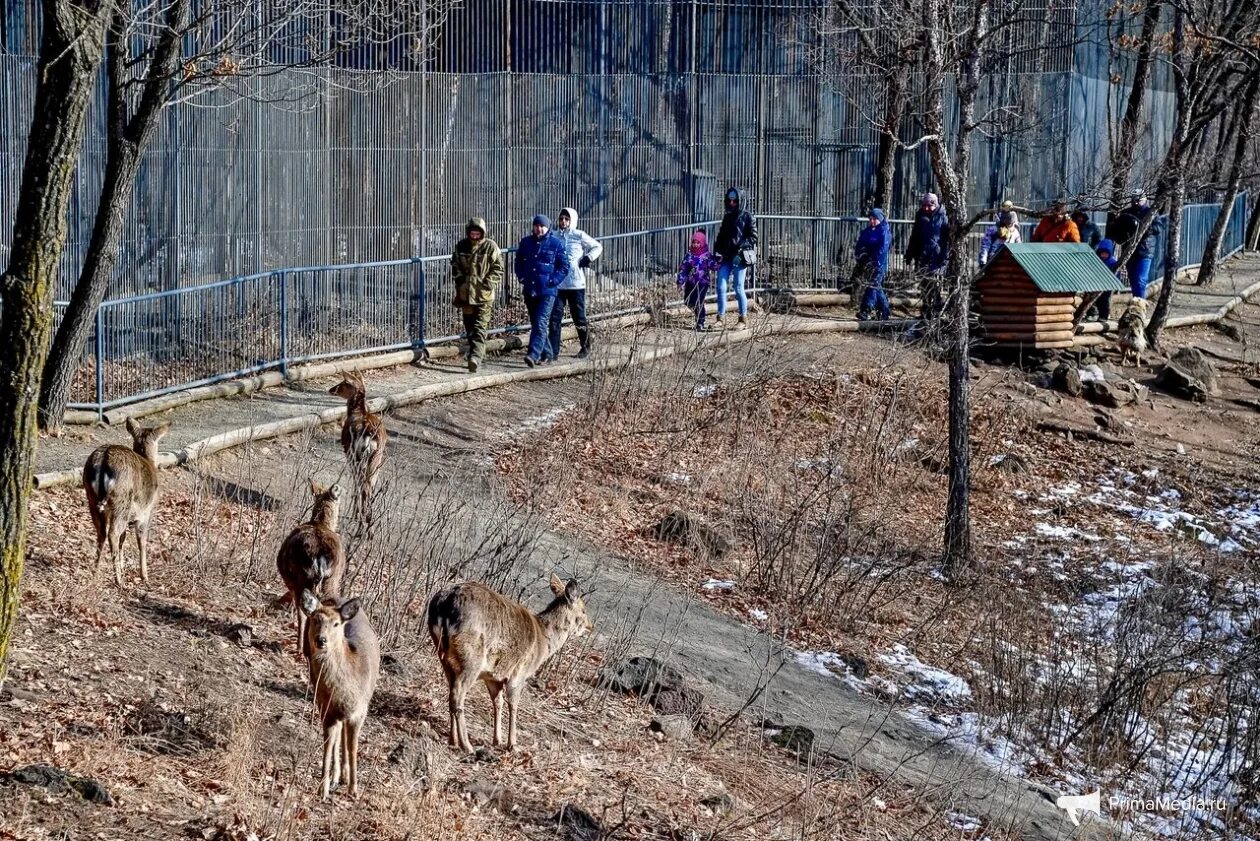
<point>363,434</point>
<point>122,487</point>
<point>481,635</point>
<point>345,659</point>
<point>311,557</point>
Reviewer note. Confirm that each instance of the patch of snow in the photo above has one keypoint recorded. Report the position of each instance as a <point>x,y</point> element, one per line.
<point>1065,533</point>
<point>963,822</point>
<point>759,615</point>
<point>677,479</point>
<point>927,682</point>
<point>718,584</point>
<point>830,664</point>
<point>702,391</point>
<point>543,422</point>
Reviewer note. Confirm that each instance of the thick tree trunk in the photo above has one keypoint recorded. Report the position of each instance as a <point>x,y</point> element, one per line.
<point>1212,248</point>
<point>1172,255</point>
<point>70,52</point>
<point>958,506</point>
<point>127,139</point>
<point>1122,155</point>
<point>889,138</point>
<point>1253,226</point>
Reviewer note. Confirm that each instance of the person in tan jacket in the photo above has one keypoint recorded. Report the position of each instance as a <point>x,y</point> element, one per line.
<point>477,269</point>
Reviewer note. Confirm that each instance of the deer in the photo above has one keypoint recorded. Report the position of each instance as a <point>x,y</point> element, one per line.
<point>344,661</point>
<point>363,434</point>
<point>121,485</point>
<point>481,635</point>
<point>312,557</point>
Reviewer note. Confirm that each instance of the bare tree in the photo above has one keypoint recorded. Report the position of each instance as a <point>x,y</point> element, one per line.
<point>1241,135</point>
<point>1125,147</point>
<point>70,53</point>
<point>176,51</point>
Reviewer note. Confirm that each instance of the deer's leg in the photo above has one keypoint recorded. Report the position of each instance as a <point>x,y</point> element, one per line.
<point>450,696</point>
<point>98,521</point>
<point>117,532</point>
<point>301,633</point>
<point>332,740</point>
<point>513,699</point>
<point>463,682</point>
<point>352,755</point>
<point>142,546</point>
<point>496,701</point>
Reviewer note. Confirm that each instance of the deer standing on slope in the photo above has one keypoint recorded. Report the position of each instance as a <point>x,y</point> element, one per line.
<point>344,662</point>
<point>363,434</point>
<point>312,557</point>
<point>481,635</point>
<point>122,489</point>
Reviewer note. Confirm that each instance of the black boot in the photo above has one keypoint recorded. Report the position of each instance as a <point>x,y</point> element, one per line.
<point>584,339</point>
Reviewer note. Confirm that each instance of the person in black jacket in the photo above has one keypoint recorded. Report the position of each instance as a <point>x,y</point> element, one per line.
<point>1139,255</point>
<point>736,247</point>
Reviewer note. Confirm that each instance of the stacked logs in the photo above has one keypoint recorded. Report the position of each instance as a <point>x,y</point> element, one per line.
<point>1013,311</point>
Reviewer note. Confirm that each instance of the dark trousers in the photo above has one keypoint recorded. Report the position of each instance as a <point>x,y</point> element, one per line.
<point>694,295</point>
<point>576,299</point>
<point>1104,306</point>
<point>875,298</point>
<point>476,326</point>
<point>540,307</point>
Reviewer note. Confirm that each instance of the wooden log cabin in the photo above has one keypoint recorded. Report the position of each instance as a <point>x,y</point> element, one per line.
<point>1027,294</point>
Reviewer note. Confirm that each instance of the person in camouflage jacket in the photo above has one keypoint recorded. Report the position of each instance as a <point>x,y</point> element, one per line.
<point>477,269</point>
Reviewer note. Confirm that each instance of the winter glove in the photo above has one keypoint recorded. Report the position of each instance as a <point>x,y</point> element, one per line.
<point>584,262</point>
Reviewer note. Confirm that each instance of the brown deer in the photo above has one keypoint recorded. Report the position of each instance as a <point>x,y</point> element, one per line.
<point>122,488</point>
<point>363,434</point>
<point>344,662</point>
<point>481,635</point>
<point>311,557</point>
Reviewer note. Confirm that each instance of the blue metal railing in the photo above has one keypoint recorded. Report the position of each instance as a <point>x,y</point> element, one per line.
<point>161,342</point>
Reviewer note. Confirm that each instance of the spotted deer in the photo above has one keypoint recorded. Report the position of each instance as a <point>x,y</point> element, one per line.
<point>344,660</point>
<point>312,557</point>
<point>481,635</point>
<point>122,489</point>
<point>363,434</point>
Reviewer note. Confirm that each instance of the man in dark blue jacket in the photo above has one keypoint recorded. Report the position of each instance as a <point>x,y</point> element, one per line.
<point>542,264</point>
<point>1140,255</point>
<point>871,252</point>
<point>927,252</point>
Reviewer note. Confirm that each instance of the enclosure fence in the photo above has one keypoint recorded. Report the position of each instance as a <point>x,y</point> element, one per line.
<point>157,343</point>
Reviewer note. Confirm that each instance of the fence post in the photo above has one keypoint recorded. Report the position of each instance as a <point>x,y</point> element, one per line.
<point>419,293</point>
<point>284,323</point>
<point>100,363</point>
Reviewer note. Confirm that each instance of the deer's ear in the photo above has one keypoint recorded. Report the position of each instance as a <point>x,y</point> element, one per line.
<point>349,610</point>
<point>310,604</point>
<point>557,586</point>
<point>335,491</point>
<point>132,427</point>
<point>316,490</point>
<point>572,592</point>
<point>161,429</point>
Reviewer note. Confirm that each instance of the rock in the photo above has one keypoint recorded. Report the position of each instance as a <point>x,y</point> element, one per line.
<point>676,728</point>
<point>794,738</point>
<point>577,824</point>
<point>60,782</point>
<point>1066,379</point>
<point>689,530</point>
<point>1189,374</point>
<point>489,793</point>
<point>1114,394</point>
<point>660,685</point>
<point>1007,463</point>
<point>719,803</point>
<point>241,634</point>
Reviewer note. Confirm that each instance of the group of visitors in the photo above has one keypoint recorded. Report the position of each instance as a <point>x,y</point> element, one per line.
<point>927,251</point>
<point>551,266</point>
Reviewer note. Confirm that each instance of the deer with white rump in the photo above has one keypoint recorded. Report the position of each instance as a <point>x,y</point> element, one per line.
<point>481,635</point>
<point>363,434</point>
<point>312,557</point>
<point>344,658</point>
<point>121,485</point>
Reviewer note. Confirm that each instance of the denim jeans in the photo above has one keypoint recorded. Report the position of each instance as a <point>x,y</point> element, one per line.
<point>576,299</point>
<point>875,297</point>
<point>539,307</point>
<point>723,273</point>
<point>1139,275</point>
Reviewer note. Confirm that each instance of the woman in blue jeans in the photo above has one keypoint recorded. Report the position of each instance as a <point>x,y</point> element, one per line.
<point>736,247</point>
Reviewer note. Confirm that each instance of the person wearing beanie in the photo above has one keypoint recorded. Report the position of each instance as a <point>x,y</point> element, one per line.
<point>1056,226</point>
<point>871,255</point>
<point>1090,233</point>
<point>1001,233</point>
<point>582,249</point>
<point>542,264</point>
<point>695,275</point>
<point>927,252</point>
<point>477,269</point>
<point>736,246</point>
<point>1109,253</point>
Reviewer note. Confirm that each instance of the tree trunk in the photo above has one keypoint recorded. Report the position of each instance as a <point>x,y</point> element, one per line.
<point>1126,145</point>
<point>958,507</point>
<point>1253,225</point>
<point>889,138</point>
<point>1212,248</point>
<point>126,141</point>
<point>69,54</point>
<point>1172,254</point>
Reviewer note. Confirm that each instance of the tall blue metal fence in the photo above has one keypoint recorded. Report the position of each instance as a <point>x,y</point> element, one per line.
<point>156,343</point>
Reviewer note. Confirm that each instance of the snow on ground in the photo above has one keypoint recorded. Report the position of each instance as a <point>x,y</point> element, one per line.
<point>718,584</point>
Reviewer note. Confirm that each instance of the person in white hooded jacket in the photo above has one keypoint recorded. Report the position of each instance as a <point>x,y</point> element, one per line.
<point>583,249</point>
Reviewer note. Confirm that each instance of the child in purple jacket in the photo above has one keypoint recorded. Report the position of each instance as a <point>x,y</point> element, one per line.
<point>695,275</point>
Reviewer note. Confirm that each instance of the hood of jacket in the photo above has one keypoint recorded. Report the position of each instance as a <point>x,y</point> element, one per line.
<point>573,217</point>
<point>1110,247</point>
<point>476,223</point>
<point>741,200</point>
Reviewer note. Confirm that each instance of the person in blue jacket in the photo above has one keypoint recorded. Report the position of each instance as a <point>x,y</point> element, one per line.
<point>1140,254</point>
<point>927,253</point>
<point>871,253</point>
<point>542,264</point>
<point>1109,253</point>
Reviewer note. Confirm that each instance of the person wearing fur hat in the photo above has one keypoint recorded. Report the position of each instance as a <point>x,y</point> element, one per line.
<point>542,264</point>
<point>477,269</point>
<point>583,249</point>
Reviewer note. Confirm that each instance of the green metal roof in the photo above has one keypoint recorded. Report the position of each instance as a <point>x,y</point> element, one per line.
<point>1064,267</point>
